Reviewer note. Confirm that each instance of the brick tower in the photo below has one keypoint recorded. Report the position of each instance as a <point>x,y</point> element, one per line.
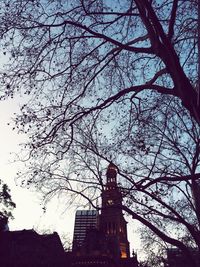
<point>112,222</point>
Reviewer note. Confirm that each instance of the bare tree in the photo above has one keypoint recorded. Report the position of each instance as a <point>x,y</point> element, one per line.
<point>158,158</point>
<point>97,75</point>
<point>154,248</point>
<point>78,57</point>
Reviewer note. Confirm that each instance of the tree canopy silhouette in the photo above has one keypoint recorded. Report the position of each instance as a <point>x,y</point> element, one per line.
<point>81,56</point>
<point>6,205</point>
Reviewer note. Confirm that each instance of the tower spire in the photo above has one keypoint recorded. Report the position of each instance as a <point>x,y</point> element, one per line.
<point>111,173</point>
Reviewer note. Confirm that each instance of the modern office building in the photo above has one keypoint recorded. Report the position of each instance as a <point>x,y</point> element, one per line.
<point>85,220</point>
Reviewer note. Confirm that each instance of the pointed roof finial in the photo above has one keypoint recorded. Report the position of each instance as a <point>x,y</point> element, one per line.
<point>111,172</point>
<point>112,166</point>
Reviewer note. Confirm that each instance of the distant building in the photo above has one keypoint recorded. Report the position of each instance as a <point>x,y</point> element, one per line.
<point>27,248</point>
<point>84,220</point>
<point>176,258</point>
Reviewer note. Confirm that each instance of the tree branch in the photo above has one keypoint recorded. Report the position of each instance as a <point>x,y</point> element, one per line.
<point>160,234</point>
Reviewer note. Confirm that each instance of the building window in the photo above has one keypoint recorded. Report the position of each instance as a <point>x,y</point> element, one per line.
<point>123,250</point>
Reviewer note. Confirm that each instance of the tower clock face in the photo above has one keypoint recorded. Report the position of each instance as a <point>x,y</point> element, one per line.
<point>110,202</point>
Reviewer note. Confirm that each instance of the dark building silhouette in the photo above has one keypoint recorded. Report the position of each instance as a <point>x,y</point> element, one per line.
<point>27,248</point>
<point>105,243</point>
<point>176,258</point>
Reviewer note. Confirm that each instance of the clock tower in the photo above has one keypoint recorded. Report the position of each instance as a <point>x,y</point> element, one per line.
<point>112,222</point>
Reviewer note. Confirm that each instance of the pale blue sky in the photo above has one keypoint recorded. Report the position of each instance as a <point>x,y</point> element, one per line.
<point>29,213</point>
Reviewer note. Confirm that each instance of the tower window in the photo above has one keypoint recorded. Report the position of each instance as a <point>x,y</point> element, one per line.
<point>112,179</point>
